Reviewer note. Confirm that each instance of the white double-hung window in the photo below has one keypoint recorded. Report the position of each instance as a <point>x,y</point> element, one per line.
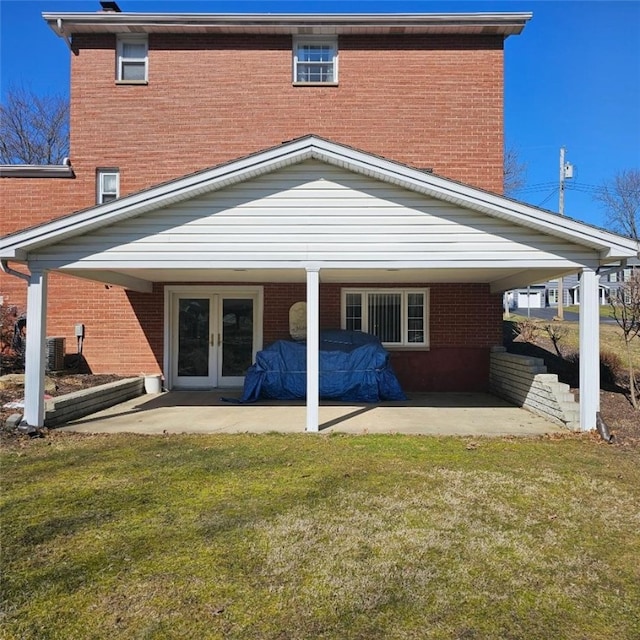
<point>132,59</point>
<point>107,185</point>
<point>398,317</point>
<point>315,60</point>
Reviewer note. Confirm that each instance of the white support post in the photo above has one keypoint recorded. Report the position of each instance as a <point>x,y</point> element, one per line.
<point>589,350</point>
<point>34,357</point>
<point>313,348</point>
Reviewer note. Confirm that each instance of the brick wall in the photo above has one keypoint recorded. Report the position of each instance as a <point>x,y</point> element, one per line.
<point>465,321</point>
<point>124,330</point>
<point>432,102</point>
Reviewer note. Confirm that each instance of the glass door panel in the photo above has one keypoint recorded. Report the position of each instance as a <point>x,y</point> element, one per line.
<point>237,339</point>
<point>194,336</point>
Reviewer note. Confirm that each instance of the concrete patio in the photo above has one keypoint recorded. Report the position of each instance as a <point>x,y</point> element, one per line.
<point>460,414</point>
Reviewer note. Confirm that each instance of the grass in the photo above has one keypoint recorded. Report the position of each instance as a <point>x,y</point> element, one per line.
<point>320,537</point>
<point>606,310</point>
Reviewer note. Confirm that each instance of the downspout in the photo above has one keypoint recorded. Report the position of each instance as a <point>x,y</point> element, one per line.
<point>603,271</point>
<point>12,272</point>
<point>63,35</point>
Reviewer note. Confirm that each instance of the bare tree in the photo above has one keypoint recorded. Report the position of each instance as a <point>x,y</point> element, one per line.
<point>34,129</point>
<point>626,311</point>
<point>620,198</point>
<point>515,172</point>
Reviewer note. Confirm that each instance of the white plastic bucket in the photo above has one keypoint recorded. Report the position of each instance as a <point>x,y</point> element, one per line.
<point>153,384</point>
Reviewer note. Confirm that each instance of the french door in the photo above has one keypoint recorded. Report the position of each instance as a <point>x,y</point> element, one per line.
<point>214,337</point>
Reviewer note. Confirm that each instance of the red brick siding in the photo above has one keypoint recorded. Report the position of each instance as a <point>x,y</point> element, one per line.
<point>427,101</point>
<point>124,330</point>
<point>465,321</point>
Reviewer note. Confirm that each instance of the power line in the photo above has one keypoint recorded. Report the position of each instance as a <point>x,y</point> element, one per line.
<point>553,192</point>
<point>539,186</point>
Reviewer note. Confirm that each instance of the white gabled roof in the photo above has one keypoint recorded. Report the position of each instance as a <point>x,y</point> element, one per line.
<point>609,246</point>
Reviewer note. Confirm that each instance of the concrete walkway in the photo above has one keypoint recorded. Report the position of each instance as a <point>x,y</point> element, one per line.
<point>461,414</point>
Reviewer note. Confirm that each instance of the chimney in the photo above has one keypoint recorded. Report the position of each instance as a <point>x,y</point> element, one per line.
<point>110,7</point>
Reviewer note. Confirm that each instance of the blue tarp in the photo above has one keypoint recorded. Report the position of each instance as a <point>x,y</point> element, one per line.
<point>354,367</point>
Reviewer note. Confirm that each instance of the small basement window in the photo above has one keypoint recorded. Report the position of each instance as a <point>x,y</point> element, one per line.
<point>398,317</point>
<point>315,61</point>
<point>107,185</point>
<point>132,59</point>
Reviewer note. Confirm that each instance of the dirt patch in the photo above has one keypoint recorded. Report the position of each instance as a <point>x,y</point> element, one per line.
<point>66,383</point>
<point>615,406</point>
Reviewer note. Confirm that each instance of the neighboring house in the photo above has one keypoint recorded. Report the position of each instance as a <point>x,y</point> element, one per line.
<point>546,295</point>
<point>228,167</point>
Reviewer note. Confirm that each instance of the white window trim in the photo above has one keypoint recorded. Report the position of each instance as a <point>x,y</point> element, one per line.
<point>404,319</point>
<point>301,40</point>
<point>100,192</point>
<point>120,59</point>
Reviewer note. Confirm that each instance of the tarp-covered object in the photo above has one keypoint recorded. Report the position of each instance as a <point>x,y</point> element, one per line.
<point>354,367</point>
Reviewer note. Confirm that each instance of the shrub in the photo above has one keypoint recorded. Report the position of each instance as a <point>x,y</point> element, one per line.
<point>611,367</point>
<point>556,332</point>
<point>528,330</point>
<point>10,359</point>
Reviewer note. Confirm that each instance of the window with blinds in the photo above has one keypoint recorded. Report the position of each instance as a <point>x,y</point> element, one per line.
<point>396,316</point>
<point>133,59</point>
<point>107,185</point>
<point>315,61</point>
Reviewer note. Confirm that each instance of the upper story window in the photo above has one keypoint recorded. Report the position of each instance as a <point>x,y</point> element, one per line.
<point>108,185</point>
<point>315,60</point>
<point>133,59</point>
<point>398,317</point>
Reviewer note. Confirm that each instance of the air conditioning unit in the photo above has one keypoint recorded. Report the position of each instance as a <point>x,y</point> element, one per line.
<point>55,354</point>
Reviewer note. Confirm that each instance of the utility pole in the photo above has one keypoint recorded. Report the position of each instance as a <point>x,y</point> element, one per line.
<point>566,173</point>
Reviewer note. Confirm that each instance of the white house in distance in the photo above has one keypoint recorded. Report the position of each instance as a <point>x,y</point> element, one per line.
<point>543,295</point>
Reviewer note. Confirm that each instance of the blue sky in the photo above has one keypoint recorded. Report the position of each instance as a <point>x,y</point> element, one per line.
<point>572,78</point>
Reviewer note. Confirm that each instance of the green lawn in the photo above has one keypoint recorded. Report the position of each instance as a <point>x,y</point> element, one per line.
<point>370,537</point>
<point>605,310</point>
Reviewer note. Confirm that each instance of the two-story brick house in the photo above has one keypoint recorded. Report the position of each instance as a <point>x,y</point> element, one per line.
<point>225,167</point>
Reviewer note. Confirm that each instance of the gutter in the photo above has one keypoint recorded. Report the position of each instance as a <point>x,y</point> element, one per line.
<point>603,271</point>
<point>12,272</point>
<point>62,34</point>
<point>505,23</point>
<point>37,170</point>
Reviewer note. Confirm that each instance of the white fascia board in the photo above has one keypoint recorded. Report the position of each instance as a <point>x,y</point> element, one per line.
<point>555,264</point>
<point>498,23</point>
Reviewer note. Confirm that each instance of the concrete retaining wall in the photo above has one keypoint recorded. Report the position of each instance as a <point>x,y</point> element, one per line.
<point>81,403</point>
<point>525,381</point>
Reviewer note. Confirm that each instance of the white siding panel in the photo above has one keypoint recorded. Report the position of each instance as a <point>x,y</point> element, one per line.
<point>312,211</point>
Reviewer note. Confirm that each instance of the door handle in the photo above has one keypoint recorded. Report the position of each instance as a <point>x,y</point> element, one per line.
<point>219,339</point>
<point>212,342</point>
